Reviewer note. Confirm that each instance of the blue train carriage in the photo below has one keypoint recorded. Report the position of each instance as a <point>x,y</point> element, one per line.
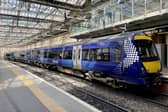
<point>37,56</point>
<point>55,55</point>
<point>17,56</point>
<point>41,54</point>
<point>61,58</point>
<point>40,57</point>
<point>33,55</point>
<point>102,58</point>
<point>46,56</point>
<point>23,56</point>
<point>133,59</point>
<point>125,58</point>
<point>28,56</point>
<point>9,56</point>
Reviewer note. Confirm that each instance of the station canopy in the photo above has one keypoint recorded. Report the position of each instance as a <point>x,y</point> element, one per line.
<point>25,21</point>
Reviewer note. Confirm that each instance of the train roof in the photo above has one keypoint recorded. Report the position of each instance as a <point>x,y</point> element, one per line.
<point>104,38</point>
<point>94,40</point>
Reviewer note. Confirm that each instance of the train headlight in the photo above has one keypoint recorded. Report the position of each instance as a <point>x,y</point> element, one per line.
<point>143,69</point>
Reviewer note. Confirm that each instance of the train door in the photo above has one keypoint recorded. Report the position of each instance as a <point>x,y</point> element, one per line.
<point>77,56</point>
<point>118,57</point>
<point>41,55</point>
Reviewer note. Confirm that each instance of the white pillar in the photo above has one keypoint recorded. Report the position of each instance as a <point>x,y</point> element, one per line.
<point>167,39</point>
<point>166,58</point>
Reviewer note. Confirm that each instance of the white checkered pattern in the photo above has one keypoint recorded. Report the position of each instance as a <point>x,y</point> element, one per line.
<point>131,54</point>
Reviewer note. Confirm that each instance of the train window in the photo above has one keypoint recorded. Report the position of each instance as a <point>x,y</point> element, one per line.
<point>103,54</point>
<point>34,54</point>
<point>55,54</point>
<point>37,55</point>
<point>52,54</point>
<point>117,53</point>
<point>59,56</point>
<point>22,55</point>
<point>45,54</point>
<point>67,54</point>
<point>106,52</point>
<point>92,54</point>
<point>79,57</point>
<point>85,54</point>
<point>41,54</point>
<point>147,50</point>
<point>99,55</point>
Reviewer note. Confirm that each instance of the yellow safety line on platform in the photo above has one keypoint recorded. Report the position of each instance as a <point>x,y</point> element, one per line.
<point>51,105</point>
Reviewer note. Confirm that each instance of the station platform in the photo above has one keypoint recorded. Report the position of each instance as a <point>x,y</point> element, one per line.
<point>21,91</point>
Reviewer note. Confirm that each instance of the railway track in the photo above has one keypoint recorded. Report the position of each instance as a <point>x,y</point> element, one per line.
<point>159,101</point>
<point>164,94</point>
<point>149,95</point>
<point>101,103</point>
<point>98,102</point>
<point>152,96</point>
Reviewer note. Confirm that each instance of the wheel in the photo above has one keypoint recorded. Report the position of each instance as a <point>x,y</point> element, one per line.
<point>89,76</point>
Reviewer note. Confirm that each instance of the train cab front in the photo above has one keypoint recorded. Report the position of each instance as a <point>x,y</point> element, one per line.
<point>149,59</point>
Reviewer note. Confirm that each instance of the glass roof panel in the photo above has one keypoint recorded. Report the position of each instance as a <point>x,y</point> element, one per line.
<point>73,2</point>
<point>20,19</point>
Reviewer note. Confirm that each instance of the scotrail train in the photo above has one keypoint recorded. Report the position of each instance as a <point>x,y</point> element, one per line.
<point>129,58</point>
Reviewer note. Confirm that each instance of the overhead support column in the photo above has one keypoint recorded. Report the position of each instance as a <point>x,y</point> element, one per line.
<point>166,51</point>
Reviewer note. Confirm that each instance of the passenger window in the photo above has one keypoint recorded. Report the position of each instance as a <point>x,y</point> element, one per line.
<point>45,54</point>
<point>54,54</point>
<point>92,54</point>
<point>67,54</point>
<point>79,54</point>
<point>37,54</point>
<point>41,53</point>
<point>103,54</point>
<point>85,54</point>
<point>22,55</point>
<point>59,54</point>
<point>99,55</point>
<point>106,52</point>
<point>117,53</point>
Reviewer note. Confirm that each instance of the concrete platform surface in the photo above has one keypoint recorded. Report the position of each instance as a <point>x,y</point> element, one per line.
<point>21,91</point>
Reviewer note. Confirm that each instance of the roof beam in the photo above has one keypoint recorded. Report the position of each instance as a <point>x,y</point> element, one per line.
<point>9,40</point>
<point>13,35</point>
<point>34,19</point>
<point>98,3</point>
<point>22,27</point>
<point>15,32</point>
<point>87,5</point>
<point>8,36</point>
<point>56,4</point>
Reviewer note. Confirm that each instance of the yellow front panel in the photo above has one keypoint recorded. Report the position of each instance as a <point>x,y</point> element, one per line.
<point>152,67</point>
<point>139,37</point>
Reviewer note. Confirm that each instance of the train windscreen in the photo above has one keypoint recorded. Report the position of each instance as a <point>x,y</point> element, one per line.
<point>147,50</point>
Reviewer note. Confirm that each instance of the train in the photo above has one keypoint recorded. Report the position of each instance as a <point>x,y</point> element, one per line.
<point>129,58</point>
